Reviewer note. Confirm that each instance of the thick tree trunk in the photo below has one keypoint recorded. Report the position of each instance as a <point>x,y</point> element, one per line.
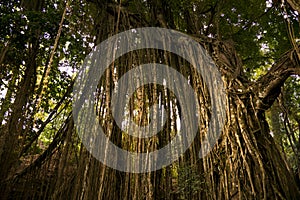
<point>250,164</point>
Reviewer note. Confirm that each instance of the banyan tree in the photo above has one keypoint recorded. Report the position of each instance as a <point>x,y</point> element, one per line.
<point>254,47</point>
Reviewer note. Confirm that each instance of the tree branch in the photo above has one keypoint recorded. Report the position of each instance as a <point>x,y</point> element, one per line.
<point>268,87</point>
<point>294,4</point>
<point>59,137</point>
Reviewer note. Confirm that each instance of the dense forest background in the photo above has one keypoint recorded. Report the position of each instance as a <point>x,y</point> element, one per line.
<point>255,45</point>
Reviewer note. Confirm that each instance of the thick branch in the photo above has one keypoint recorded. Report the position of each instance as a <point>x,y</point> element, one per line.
<point>59,137</point>
<point>268,87</point>
<point>112,8</point>
<point>294,4</point>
